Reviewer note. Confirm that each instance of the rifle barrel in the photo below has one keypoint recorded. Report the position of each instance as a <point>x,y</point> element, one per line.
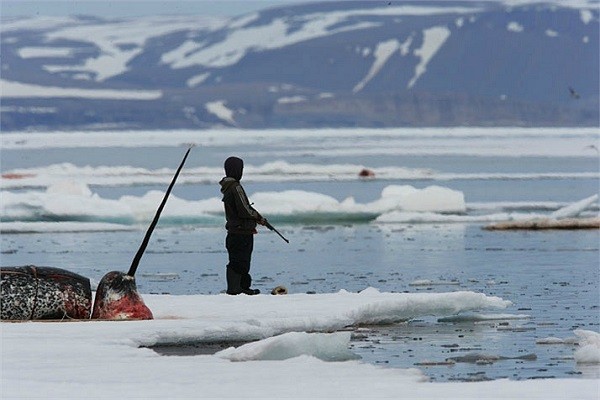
<point>271,227</point>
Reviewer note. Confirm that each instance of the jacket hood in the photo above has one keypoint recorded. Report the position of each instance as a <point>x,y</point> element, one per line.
<point>234,167</point>
<point>227,183</point>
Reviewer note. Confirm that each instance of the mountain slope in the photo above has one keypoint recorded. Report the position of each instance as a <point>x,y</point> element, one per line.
<point>318,64</point>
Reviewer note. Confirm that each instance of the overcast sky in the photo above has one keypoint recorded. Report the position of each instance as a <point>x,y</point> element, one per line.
<point>128,8</point>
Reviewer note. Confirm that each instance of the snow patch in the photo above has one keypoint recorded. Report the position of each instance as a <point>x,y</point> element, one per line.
<point>28,110</point>
<point>405,46</point>
<point>24,90</point>
<point>120,41</point>
<point>278,33</point>
<point>39,52</point>
<point>514,27</point>
<point>174,56</point>
<point>197,80</point>
<point>219,109</point>
<point>325,95</point>
<point>382,53</point>
<point>37,23</point>
<point>586,16</point>
<point>433,39</point>
<point>291,99</point>
<point>243,20</point>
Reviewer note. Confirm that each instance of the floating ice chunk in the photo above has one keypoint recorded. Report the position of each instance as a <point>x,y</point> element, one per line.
<point>393,308</point>
<point>69,198</point>
<point>69,187</point>
<point>573,210</point>
<point>429,363</point>
<point>563,218</point>
<point>64,226</point>
<point>589,350</point>
<point>429,282</point>
<point>547,223</point>
<point>482,358</point>
<point>432,198</point>
<point>482,317</point>
<point>433,217</point>
<point>555,340</point>
<point>324,346</point>
<point>550,340</point>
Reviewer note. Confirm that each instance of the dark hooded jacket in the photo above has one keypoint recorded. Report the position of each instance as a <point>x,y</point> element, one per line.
<point>241,217</point>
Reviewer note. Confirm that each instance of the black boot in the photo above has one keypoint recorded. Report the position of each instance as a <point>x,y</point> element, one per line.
<point>245,283</point>
<point>233,282</point>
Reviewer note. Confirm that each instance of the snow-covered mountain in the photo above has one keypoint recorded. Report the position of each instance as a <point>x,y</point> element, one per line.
<point>374,63</point>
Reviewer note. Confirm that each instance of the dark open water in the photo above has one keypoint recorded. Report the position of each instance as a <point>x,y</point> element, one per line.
<point>551,276</point>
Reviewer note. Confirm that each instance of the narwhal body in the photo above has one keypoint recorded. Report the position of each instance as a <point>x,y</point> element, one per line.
<point>37,293</point>
<point>31,292</point>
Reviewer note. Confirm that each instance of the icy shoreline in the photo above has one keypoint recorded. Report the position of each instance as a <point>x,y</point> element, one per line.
<point>67,359</point>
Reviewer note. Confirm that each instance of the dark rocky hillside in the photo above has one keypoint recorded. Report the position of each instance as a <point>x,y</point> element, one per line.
<point>333,64</point>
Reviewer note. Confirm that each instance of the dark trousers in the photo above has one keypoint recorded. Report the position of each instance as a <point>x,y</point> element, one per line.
<point>239,247</point>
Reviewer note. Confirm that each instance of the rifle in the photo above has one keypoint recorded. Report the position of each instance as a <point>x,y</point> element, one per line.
<point>272,228</point>
<point>269,226</point>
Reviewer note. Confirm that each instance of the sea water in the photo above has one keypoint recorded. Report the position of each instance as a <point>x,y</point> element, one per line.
<point>551,277</point>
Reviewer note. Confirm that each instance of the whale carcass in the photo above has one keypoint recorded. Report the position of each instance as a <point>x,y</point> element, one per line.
<point>31,292</point>
<point>41,293</point>
<point>35,293</point>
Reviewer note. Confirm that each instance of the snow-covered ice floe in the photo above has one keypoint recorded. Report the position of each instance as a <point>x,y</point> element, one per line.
<point>564,218</point>
<point>74,201</point>
<point>296,339</point>
<point>68,206</point>
<point>477,317</point>
<point>324,346</point>
<point>546,223</point>
<point>589,347</point>
<point>587,342</point>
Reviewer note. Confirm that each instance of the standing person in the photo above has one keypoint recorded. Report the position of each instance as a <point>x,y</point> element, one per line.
<point>241,226</point>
